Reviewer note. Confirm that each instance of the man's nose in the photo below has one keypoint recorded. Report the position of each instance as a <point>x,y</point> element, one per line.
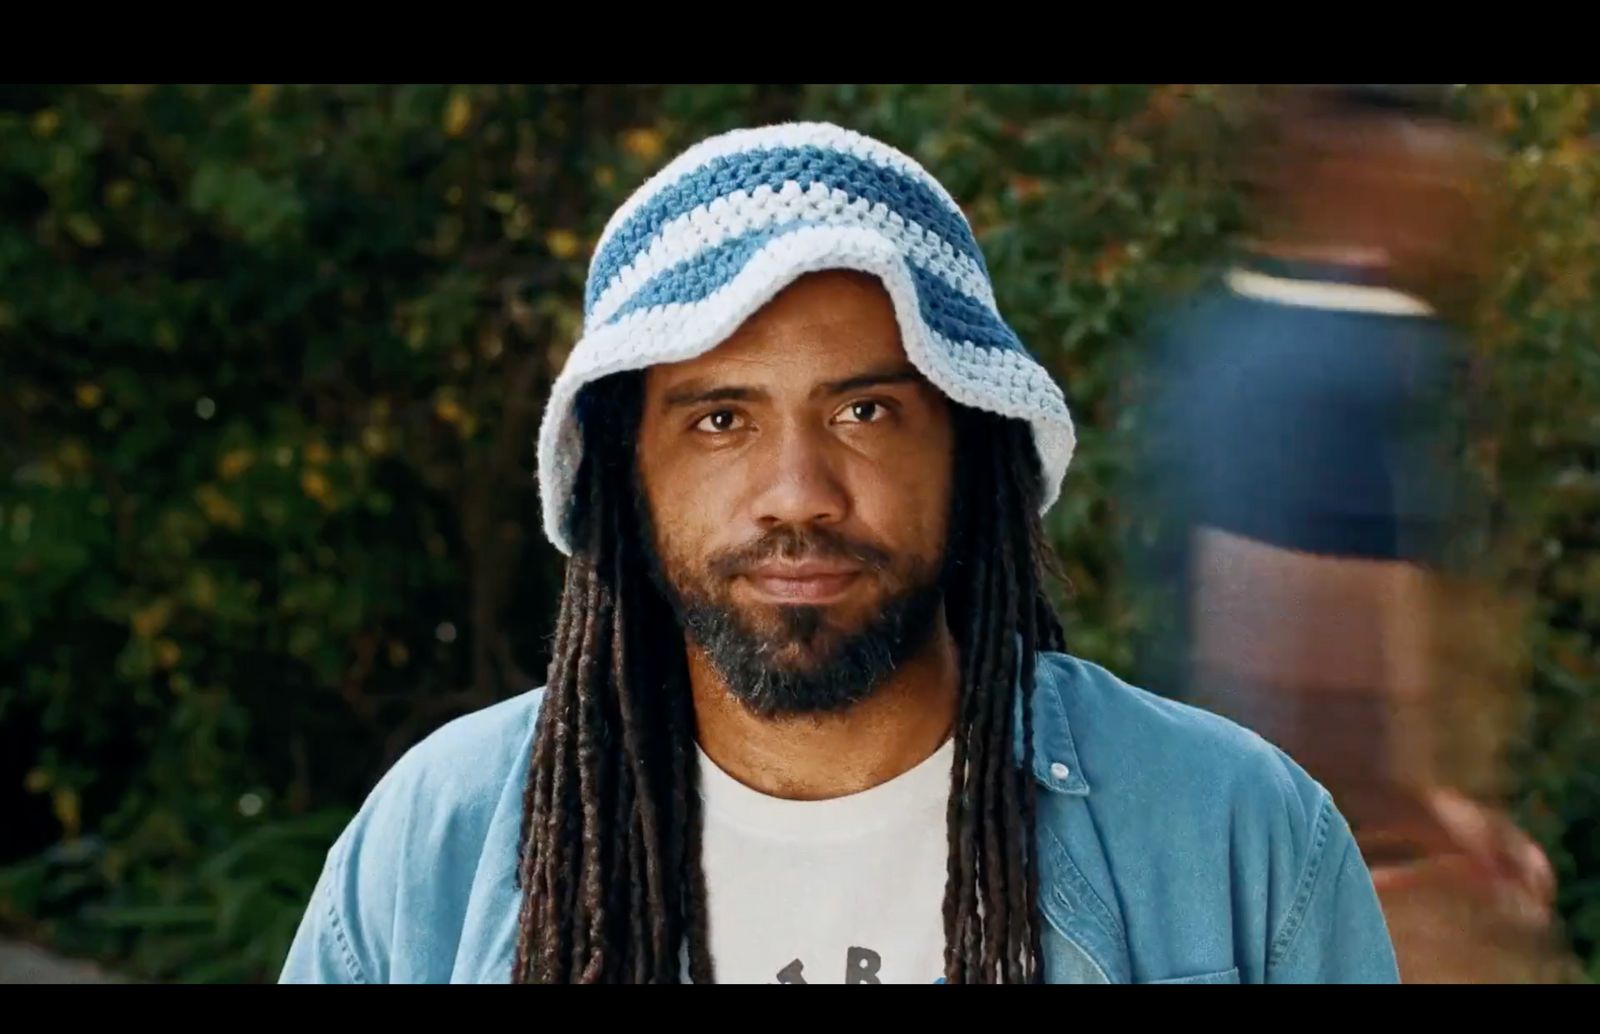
<point>800,485</point>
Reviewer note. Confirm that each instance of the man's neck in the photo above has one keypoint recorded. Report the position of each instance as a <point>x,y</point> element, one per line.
<point>898,727</point>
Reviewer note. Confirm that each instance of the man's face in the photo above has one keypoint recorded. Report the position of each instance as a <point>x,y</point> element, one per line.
<point>795,489</point>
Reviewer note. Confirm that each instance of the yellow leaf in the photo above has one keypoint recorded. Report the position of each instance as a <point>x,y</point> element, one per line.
<point>375,440</point>
<point>643,144</point>
<point>90,395</point>
<point>234,463</point>
<point>148,621</point>
<point>37,781</point>
<point>520,224</point>
<point>1026,188</point>
<point>119,193</point>
<point>167,654</point>
<point>315,486</point>
<point>218,508</point>
<point>563,244</point>
<point>604,176</point>
<point>317,454</point>
<point>46,122</point>
<point>85,230</point>
<point>1572,152</point>
<point>448,410</point>
<point>457,115</point>
<point>203,591</point>
<point>65,803</point>
<point>261,94</point>
<point>73,456</point>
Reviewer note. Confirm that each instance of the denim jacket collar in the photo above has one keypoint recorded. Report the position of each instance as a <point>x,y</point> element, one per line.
<point>1055,757</point>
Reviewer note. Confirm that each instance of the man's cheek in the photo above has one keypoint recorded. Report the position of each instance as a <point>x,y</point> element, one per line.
<point>696,519</point>
<point>677,519</point>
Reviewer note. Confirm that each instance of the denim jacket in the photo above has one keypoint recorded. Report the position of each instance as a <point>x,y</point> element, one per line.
<point>1174,847</point>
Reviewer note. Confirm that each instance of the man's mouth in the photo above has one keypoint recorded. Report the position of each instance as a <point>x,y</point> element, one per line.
<point>806,582</point>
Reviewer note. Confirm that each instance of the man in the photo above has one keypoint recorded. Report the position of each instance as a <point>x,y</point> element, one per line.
<point>807,719</point>
<point>1302,467</point>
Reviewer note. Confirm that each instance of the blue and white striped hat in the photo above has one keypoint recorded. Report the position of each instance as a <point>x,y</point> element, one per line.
<point>719,232</point>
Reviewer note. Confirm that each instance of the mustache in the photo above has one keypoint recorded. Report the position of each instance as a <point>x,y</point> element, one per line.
<point>795,544</point>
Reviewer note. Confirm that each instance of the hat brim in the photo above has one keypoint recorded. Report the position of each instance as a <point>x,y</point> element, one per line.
<point>1003,381</point>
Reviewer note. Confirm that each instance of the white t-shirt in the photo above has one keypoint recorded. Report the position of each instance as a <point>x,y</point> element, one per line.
<point>848,890</point>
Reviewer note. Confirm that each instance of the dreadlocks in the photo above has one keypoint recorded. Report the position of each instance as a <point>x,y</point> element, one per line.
<point>610,875</point>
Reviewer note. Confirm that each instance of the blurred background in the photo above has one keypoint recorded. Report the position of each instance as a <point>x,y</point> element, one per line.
<point>272,359</point>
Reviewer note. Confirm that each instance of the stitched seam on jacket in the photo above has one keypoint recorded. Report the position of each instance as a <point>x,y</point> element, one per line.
<point>1070,874</point>
<point>350,961</point>
<point>1307,888</point>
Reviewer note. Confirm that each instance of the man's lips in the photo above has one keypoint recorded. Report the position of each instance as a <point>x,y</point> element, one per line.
<point>814,581</point>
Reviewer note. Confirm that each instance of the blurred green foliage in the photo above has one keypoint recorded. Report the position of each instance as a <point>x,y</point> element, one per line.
<point>272,363</point>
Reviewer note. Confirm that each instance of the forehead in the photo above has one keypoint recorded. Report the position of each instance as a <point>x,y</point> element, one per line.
<point>822,326</point>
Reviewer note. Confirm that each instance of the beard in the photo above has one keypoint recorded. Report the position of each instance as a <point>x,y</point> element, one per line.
<point>790,660</point>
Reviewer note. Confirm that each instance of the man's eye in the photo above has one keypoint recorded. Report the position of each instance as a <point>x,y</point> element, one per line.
<point>863,412</point>
<point>721,420</point>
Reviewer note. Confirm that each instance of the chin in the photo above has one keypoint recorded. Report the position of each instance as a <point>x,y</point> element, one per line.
<point>789,660</point>
<point>788,657</point>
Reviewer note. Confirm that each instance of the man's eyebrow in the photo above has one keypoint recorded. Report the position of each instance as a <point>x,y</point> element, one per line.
<point>698,392</point>
<point>898,374</point>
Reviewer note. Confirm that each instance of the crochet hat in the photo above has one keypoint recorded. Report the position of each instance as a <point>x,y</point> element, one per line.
<point>719,232</point>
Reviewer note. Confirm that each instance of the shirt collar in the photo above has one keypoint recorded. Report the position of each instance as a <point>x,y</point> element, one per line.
<point>1055,756</point>
<point>1321,286</point>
